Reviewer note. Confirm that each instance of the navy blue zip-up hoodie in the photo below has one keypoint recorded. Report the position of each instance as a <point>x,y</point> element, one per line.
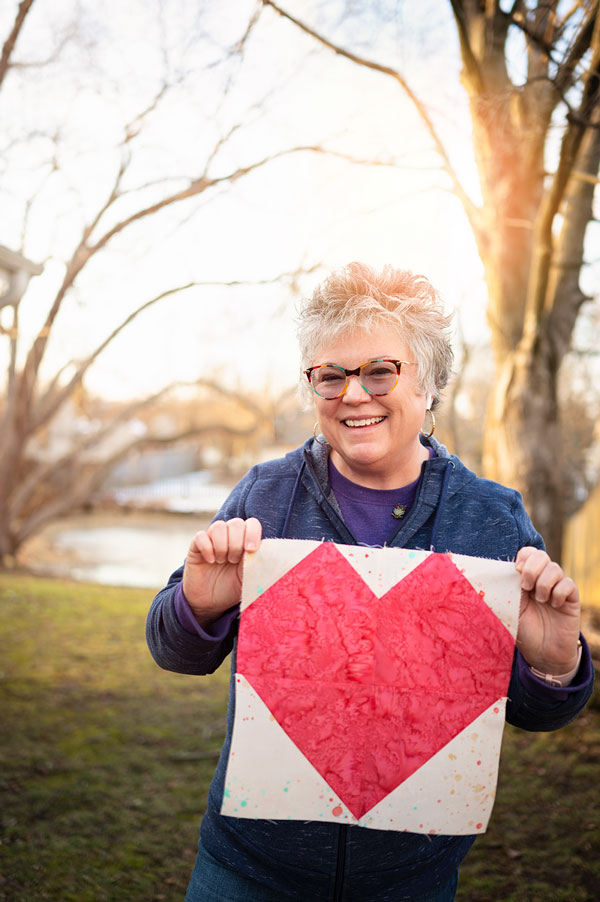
<point>325,862</point>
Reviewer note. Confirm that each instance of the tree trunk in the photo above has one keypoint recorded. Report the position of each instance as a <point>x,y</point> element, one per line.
<point>532,279</point>
<point>522,446</point>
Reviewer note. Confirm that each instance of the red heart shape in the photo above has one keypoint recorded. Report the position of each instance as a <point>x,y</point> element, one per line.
<point>370,688</point>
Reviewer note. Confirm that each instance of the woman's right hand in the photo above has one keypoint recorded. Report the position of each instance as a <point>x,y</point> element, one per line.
<point>212,576</point>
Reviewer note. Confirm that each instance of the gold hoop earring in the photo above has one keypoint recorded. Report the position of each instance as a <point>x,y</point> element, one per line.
<point>316,436</point>
<point>432,426</point>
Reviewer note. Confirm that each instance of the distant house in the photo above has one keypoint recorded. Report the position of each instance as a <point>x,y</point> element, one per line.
<point>70,425</point>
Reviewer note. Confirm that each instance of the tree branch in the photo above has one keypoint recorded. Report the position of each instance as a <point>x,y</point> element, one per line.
<point>569,256</point>
<point>239,48</point>
<point>586,177</point>
<point>566,68</point>
<point>50,403</point>
<point>456,388</point>
<point>472,70</point>
<point>571,143</point>
<point>84,252</point>
<point>9,44</point>
<point>13,334</point>
<point>197,186</point>
<point>583,39</point>
<point>55,397</point>
<point>134,126</point>
<point>470,208</point>
<point>45,472</point>
<point>517,8</point>
<point>82,491</point>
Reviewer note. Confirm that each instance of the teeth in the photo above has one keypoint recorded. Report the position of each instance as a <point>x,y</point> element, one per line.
<point>368,422</point>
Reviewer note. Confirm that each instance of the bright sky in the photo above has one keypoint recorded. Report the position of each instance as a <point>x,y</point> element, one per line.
<point>302,209</point>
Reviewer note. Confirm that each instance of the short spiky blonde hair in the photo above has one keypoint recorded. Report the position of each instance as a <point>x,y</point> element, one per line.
<point>358,297</point>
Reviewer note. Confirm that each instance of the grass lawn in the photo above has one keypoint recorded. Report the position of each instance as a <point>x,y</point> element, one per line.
<point>105,763</point>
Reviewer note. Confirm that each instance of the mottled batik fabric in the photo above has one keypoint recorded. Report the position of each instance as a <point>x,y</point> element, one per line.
<point>371,686</point>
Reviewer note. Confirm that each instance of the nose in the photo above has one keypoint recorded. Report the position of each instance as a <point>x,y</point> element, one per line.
<point>355,393</point>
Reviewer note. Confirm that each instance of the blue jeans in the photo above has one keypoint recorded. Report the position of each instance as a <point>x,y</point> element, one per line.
<point>211,881</point>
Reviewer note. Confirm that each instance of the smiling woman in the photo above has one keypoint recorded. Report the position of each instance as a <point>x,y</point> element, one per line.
<point>376,355</point>
<point>374,437</point>
<point>371,414</point>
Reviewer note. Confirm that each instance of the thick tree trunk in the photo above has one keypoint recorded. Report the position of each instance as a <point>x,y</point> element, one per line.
<point>522,442</point>
<point>4,543</point>
<point>522,446</point>
<point>532,279</point>
<point>10,472</point>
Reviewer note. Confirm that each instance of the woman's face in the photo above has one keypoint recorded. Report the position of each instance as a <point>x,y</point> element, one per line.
<point>374,440</point>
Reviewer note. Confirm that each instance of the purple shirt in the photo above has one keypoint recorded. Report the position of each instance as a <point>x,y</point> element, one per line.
<point>368,513</point>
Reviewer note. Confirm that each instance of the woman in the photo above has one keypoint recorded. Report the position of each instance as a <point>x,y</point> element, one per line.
<point>376,354</point>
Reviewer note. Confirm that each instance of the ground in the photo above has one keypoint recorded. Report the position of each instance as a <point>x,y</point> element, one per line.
<point>105,764</point>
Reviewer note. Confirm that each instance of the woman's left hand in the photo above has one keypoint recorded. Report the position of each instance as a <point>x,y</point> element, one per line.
<point>549,619</point>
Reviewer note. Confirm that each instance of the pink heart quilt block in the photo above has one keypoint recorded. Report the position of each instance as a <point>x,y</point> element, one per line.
<point>369,688</point>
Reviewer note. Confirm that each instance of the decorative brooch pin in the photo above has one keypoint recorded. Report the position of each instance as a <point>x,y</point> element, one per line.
<point>399,511</point>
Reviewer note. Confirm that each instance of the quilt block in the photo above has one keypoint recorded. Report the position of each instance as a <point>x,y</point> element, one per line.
<point>371,686</point>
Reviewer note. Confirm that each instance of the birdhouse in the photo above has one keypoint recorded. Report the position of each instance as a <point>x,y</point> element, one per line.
<point>15,273</point>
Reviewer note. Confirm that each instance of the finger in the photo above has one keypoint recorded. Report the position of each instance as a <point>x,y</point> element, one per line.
<point>530,566</point>
<point>218,535</point>
<point>522,555</point>
<point>202,545</point>
<point>547,579</point>
<point>564,592</point>
<point>253,534</point>
<point>235,540</point>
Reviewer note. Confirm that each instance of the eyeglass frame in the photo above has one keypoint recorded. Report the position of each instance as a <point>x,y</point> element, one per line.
<point>356,372</point>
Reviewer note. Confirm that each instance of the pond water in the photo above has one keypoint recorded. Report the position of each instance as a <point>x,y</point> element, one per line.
<point>119,549</point>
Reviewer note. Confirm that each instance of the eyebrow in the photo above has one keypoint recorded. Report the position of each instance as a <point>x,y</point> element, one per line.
<point>370,360</point>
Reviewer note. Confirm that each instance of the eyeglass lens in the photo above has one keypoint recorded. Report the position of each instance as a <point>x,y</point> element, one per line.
<point>378,378</point>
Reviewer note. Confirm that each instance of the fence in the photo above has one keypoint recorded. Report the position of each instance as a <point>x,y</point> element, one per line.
<point>581,554</point>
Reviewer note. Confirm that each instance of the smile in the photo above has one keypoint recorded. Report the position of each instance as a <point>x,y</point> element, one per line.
<point>367,422</point>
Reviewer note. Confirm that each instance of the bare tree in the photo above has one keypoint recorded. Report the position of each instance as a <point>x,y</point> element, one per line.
<point>128,193</point>
<point>531,223</point>
<point>35,489</point>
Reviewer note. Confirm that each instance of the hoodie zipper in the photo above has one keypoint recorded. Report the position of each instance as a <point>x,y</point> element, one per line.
<point>340,864</point>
